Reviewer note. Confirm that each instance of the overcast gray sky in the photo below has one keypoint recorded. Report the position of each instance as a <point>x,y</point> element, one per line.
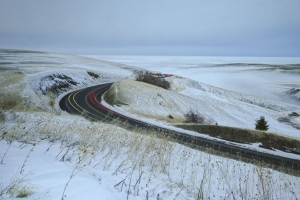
<point>153,27</point>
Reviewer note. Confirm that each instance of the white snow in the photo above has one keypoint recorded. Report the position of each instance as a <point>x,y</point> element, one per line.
<point>40,151</point>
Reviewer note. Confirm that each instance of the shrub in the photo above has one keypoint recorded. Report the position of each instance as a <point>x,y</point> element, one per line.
<point>147,77</point>
<point>194,117</point>
<point>59,83</point>
<point>92,74</point>
<point>261,124</point>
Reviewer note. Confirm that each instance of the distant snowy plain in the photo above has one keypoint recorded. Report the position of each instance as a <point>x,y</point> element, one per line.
<point>268,77</point>
<point>50,154</point>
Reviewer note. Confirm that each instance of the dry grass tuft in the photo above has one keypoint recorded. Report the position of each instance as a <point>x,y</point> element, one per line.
<point>19,187</point>
<point>10,78</point>
<point>9,101</point>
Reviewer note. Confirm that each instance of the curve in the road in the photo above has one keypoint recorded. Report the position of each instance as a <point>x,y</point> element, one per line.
<point>87,102</point>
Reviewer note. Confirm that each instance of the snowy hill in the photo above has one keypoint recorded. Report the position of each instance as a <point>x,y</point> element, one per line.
<point>150,101</point>
<point>225,107</point>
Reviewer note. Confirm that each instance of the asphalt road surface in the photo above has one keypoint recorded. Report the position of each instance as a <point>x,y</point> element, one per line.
<point>87,102</point>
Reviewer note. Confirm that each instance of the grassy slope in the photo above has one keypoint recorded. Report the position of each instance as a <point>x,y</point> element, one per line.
<point>268,140</point>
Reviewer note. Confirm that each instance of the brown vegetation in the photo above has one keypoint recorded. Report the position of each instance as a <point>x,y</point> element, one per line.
<point>194,117</point>
<point>92,74</point>
<point>152,79</point>
<point>8,101</point>
<point>267,140</point>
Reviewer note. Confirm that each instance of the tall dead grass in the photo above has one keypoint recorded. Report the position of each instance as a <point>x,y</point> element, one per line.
<point>15,95</point>
<point>9,101</point>
<point>153,167</point>
<point>11,87</point>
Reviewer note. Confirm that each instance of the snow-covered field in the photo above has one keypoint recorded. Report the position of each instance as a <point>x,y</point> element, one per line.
<point>49,154</point>
<point>276,78</point>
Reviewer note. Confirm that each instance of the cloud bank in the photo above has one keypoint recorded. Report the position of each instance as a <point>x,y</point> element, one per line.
<point>171,27</point>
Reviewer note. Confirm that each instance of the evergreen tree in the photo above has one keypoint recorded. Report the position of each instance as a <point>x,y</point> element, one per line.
<point>261,124</point>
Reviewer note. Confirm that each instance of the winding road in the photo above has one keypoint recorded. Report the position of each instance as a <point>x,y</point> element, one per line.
<point>87,102</point>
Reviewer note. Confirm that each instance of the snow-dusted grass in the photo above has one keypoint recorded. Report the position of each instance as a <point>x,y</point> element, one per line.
<point>10,80</point>
<point>57,155</point>
<point>11,86</point>
<point>150,101</point>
